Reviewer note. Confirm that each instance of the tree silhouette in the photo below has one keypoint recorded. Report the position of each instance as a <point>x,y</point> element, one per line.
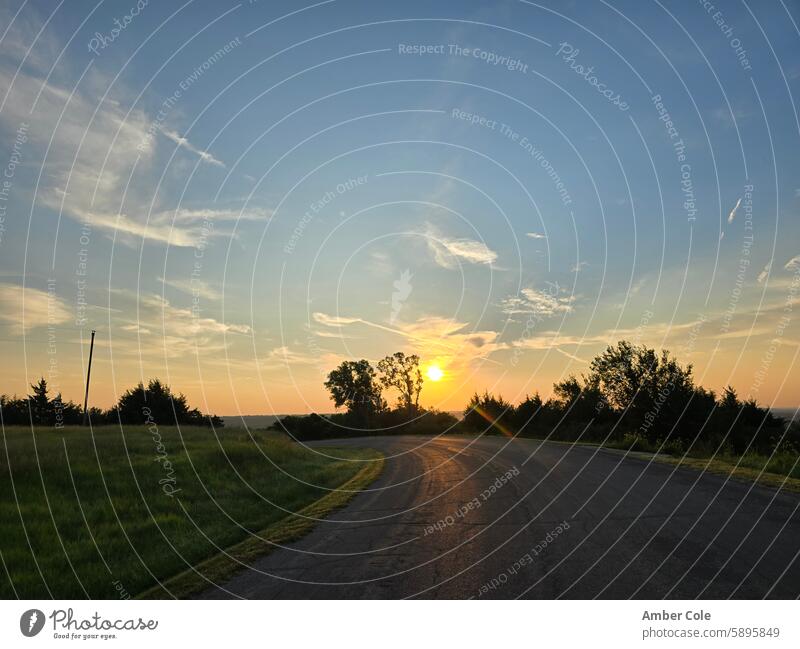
<point>402,373</point>
<point>354,386</point>
<point>39,403</point>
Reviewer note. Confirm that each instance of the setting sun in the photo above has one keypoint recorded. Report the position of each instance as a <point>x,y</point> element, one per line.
<point>435,373</point>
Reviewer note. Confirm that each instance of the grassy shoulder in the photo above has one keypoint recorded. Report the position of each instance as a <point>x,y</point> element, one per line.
<point>752,468</point>
<point>782,470</point>
<point>216,569</point>
<point>112,513</point>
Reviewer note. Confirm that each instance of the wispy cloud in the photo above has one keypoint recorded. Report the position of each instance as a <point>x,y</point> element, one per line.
<point>193,286</point>
<point>542,303</point>
<point>762,276</point>
<point>334,321</point>
<point>535,235</point>
<point>577,268</point>
<point>449,252</point>
<point>732,215</point>
<point>181,141</point>
<point>793,264</point>
<point>183,228</point>
<point>23,309</point>
<point>98,153</point>
<point>729,117</point>
<point>171,331</point>
<point>451,341</point>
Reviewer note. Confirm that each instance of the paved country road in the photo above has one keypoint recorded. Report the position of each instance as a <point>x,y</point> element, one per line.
<point>461,517</point>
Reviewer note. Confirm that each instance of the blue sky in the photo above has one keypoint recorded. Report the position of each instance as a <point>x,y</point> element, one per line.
<point>189,151</point>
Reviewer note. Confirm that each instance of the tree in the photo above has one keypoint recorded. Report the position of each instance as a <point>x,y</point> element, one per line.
<point>402,373</point>
<point>487,412</point>
<point>527,412</point>
<point>653,390</point>
<point>353,385</point>
<point>64,413</point>
<point>14,411</point>
<point>157,404</point>
<point>729,399</point>
<point>579,401</point>
<point>568,391</point>
<point>39,403</point>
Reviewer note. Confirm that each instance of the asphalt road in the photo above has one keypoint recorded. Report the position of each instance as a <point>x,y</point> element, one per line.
<point>485,518</point>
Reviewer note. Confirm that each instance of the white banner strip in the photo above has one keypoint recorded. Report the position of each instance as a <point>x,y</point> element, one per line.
<point>401,625</point>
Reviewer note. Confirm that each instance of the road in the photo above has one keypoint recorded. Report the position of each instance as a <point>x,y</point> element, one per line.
<point>491,517</point>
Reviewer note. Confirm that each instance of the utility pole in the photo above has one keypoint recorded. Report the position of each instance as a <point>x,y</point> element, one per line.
<point>88,375</point>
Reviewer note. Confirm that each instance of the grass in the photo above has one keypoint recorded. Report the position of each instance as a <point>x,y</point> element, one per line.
<point>777,474</point>
<point>782,470</point>
<point>95,518</point>
<point>220,566</point>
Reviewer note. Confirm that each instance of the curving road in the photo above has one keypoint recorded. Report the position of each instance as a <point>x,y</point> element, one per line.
<point>461,517</point>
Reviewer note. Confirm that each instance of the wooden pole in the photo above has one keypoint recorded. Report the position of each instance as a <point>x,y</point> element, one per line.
<point>88,376</point>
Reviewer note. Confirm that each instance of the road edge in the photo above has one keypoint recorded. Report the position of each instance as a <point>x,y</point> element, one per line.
<point>225,564</point>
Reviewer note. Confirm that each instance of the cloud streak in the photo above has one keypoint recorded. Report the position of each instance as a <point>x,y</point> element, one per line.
<point>542,303</point>
<point>182,142</point>
<point>732,215</point>
<point>449,252</point>
<point>23,309</point>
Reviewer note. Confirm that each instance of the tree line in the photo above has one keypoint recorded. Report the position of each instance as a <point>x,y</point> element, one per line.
<point>358,387</point>
<point>631,395</point>
<point>644,399</point>
<point>142,404</point>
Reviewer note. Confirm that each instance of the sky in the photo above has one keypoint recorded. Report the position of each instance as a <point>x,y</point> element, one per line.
<point>239,196</point>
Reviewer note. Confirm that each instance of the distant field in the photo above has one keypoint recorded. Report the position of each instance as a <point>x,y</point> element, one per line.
<point>108,515</point>
<point>265,421</point>
<point>251,421</point>
<point>790,414</point>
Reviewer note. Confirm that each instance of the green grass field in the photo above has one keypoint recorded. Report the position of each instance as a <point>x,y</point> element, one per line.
<point>110,514</point>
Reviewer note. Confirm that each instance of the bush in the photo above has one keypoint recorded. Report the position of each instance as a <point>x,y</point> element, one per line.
<point>154,404</point>
<point>304,428</point>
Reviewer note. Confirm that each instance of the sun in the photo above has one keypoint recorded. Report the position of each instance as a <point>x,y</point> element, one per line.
<point>434,373</point>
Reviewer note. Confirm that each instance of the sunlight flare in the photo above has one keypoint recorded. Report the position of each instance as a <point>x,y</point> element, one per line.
<point>435,373</point>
